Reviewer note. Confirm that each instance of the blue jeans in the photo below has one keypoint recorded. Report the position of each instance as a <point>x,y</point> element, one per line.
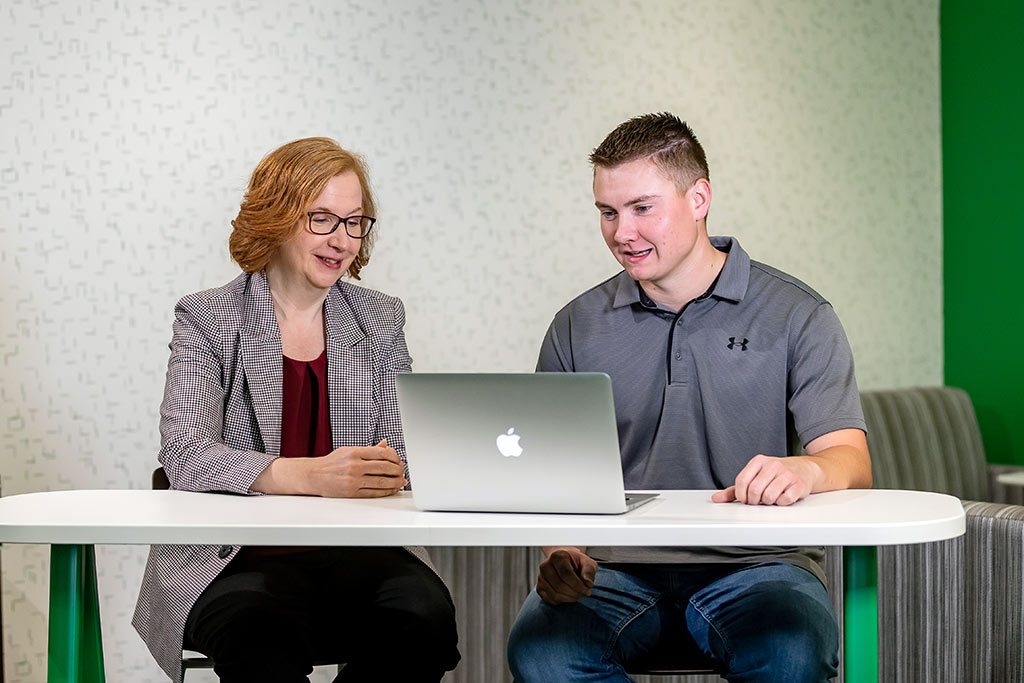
<point>767,622</point>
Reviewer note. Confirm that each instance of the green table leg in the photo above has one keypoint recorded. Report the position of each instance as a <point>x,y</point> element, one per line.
<point>75,643</point>
<point>860,613</point>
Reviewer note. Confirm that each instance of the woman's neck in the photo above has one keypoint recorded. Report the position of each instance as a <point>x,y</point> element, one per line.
<point>300,316</point>
<point>294,299</point>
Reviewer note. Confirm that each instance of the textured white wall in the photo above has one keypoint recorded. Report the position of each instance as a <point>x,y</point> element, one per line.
<point>128,129</point>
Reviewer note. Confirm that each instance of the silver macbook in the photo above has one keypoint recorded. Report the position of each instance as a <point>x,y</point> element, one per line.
<point>536,442</point>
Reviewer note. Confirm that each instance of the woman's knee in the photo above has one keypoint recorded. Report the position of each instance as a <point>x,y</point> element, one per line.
<point>421,613</point>
<point>419,602</point>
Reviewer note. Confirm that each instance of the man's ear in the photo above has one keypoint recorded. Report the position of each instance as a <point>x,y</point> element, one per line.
<point>700,198</point>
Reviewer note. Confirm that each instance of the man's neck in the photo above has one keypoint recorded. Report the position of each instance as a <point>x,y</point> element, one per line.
<point>689,282</point>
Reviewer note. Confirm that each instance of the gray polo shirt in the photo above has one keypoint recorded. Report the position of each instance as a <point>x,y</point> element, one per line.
<point>701,391</point>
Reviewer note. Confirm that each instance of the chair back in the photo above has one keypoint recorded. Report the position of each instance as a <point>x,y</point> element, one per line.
<point>160,480</point>
<point>926,439</point>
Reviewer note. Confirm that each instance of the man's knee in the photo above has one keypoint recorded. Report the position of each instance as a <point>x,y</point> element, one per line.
<point>591,636</point>
<point>551,641</point>
<point>773,623</point>
<point>800,643</point>
<point>535,644</point>
<point>805,645</point>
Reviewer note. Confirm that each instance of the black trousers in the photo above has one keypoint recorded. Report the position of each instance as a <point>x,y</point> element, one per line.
<point>379,610</point>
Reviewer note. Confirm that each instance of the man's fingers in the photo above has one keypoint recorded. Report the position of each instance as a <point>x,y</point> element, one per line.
<point>744,479</point>
<point>754,478</point>
<point>772,493</point>
<point>568,575</point>
<point>726,495</point>
<point>561,576</point>
<point>767,481</point>
<point>555,592</point>
<point>585,568</point>
<point>587,574</point>
<point>756,488</point>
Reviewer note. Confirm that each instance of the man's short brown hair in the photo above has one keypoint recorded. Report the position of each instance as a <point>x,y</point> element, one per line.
<point>280,191</point>
<point>663,139</point>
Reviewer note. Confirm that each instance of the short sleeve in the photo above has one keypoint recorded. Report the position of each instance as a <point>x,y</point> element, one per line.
<point>823,395</point>
<point>553,357</point>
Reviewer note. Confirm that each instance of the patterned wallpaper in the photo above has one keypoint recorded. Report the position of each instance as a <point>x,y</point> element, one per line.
<point>128,130</point>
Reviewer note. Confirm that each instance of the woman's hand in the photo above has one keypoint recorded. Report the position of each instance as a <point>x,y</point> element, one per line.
<point>358,472</point>
<point>346,472</point>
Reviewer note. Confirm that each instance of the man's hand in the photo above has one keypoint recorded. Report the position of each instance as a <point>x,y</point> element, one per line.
<point>566,575</point>
<point>772,481</point>
<point>346,472</point>
<point>836,460</point>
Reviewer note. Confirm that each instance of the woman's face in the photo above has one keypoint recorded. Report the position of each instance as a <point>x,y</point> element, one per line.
<point>318,261</point>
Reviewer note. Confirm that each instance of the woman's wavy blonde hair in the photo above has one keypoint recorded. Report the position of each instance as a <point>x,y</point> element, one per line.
<point>280,191</point>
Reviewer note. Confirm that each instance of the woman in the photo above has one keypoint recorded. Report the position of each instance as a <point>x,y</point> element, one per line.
<point>282,382</point>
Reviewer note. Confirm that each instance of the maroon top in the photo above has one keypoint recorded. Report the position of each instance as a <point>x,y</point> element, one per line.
<point>305,424</point>
<point>305,414</point>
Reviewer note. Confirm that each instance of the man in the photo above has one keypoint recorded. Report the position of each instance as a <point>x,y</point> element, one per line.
<point>715,361</point>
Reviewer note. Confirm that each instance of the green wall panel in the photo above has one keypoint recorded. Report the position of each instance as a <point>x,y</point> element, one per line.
<point>983,207</point>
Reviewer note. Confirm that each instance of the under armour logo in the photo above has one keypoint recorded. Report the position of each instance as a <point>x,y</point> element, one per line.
<point>742,344</point>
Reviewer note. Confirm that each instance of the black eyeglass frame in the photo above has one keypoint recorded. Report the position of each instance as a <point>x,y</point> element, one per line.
<point>339,221</point>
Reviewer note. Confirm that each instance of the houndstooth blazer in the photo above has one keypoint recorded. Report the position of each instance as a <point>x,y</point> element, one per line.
<point>220,421</point>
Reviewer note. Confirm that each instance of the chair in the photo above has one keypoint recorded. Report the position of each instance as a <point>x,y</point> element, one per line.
<point>949,611</point>
<point>196,660</point>
<point>189,658</point>
<point>678,660</point>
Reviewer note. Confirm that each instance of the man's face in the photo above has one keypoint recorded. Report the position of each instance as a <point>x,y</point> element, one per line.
<point>650,227</point>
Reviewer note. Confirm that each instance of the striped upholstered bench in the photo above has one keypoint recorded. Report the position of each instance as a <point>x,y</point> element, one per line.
<point>949,611</point>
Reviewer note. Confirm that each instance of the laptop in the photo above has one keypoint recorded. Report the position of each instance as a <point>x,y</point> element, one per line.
<point>532,442</point>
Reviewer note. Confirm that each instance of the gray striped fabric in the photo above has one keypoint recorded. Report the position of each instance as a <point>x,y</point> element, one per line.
<point>948,611</point>
<point>927,440</point>
<point>488,586</point>
<point>954,608</point>
<point>1004,493</point>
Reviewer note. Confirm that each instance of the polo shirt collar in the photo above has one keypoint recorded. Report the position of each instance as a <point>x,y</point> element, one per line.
<point>735,276</point>
<point>627,291</point>
<point>731,283</point>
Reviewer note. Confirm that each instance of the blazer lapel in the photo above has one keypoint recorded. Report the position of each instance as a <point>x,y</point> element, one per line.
<point>350,381</point>
<point>262,360</point>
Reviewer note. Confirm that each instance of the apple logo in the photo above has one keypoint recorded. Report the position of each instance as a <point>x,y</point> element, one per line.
<point>508,444</point>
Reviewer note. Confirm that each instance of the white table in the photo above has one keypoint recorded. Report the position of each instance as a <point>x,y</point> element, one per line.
<point>73,521</point>
<point>1011,478</point>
